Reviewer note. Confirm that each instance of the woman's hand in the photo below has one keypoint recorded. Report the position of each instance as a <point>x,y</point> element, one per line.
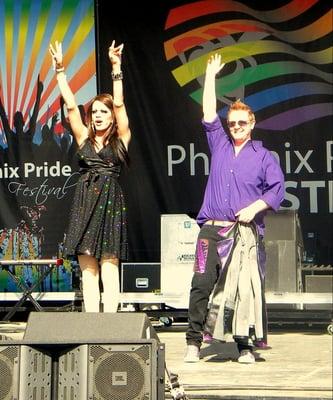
<point>115,54</point>
<point>56,53</point>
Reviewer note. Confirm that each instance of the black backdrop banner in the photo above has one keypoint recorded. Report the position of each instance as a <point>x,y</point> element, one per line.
<point>38,169</point>
<point>278,60</point>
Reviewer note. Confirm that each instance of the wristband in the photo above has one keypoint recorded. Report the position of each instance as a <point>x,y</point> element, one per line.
<point>117,77</point>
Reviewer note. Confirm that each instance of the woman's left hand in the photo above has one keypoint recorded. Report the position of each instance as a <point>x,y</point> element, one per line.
<point>115,53</point>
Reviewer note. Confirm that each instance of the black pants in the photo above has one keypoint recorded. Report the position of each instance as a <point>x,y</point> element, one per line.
<point>203,282</point>
<point>207,270</point>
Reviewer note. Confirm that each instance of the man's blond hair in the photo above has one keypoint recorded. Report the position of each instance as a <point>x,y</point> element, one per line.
<point>239,105</point>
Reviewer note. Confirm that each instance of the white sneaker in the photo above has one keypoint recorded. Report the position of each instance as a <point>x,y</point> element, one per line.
<point>192,354</point>
<point>246,357</point>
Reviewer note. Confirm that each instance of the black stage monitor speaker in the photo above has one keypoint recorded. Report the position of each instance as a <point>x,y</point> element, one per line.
<point>25,372</point>
<point>80,327</point>
<point>140,277</point>
<point>284,248</point>
<point>101,356</point>
<point>114,371</point>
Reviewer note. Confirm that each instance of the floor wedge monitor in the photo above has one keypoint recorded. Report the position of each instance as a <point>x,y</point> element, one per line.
<point>100,356</point>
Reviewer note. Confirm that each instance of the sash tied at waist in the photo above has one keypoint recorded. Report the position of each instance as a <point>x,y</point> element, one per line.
<point>93,174</point>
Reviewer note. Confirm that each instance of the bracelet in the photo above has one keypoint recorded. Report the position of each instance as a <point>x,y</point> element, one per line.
<point>117,77</point>
<point>61,69</point>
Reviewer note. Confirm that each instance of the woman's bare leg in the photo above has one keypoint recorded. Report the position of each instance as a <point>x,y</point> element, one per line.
<point>90,282</point>
<point>110,279</point>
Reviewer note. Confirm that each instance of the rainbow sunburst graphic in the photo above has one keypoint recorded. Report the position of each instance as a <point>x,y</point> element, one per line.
<point>283,73</point>
<point>26,30</point>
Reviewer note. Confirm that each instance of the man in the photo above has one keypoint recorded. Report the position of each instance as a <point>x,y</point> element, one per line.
<point>244,181</point>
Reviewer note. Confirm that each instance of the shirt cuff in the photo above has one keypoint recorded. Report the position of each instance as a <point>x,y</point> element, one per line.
<point>213,125</point>
<point>272,200</point>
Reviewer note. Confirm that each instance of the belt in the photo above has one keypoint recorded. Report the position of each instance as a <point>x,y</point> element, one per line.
<point>218,223</point>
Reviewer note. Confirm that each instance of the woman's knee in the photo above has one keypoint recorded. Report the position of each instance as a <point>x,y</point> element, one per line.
<point>89,265</point>
<point>110,260</point>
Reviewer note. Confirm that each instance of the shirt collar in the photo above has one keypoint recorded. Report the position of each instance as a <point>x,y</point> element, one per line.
<point>256,144</point>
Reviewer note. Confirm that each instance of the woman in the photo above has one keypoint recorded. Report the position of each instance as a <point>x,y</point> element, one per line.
<point>97,227</point>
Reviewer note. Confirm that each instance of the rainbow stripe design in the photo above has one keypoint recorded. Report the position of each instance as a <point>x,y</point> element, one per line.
<point>268,63</point>
<point>26,30</point>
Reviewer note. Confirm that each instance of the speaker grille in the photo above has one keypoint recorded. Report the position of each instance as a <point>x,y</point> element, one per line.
<point>7,356</point>
<point>125,374</point>
<point>113,371</point>
<point>6,378</point>
<point>122,372</point>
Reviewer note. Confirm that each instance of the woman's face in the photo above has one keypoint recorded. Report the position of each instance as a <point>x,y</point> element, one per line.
<point>101,116</point>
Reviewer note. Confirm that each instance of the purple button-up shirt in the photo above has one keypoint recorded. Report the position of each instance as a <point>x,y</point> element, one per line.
<point>235,182</point>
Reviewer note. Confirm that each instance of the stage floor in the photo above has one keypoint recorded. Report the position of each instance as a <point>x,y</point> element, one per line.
<point>297,365</point>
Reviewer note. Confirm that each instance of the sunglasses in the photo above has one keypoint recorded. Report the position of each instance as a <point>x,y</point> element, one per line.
<point>240,123</point>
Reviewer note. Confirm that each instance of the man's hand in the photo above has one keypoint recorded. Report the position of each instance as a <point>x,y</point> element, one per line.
<point>247,214</point>
<point>214,64</point>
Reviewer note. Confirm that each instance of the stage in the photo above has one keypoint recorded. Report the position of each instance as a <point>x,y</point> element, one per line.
<point>296,365</point>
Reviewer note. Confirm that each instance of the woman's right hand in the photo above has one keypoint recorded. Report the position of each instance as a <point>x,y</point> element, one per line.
<point>56,53</point>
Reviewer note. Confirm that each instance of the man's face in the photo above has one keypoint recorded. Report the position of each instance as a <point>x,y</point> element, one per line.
<point>240,126</point>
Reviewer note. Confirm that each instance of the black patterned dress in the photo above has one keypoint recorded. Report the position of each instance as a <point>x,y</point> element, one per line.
<point>98,224</point>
